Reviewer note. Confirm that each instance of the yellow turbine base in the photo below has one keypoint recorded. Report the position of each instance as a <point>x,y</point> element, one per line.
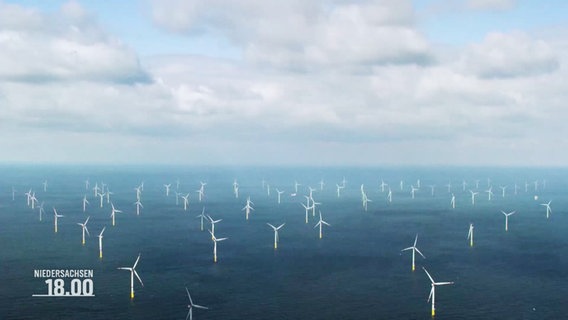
<point>275,246</point>
<point>215,259</point>
<point>131,294</point>
<point>413,268</point>
<point>433,312</point>
<point>100,255</point>
<point>83,242</point>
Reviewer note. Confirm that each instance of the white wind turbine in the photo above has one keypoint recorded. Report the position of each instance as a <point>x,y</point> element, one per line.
<point>100,236</point>
<point>33,200</point>
<point>308,208</point>
<point>167,186</point>
<point>101,195</point>
<point>489,192</point>
<point>503,188</point>
<point>432,187</point>
<point>96,189</point>
<point>41,211</point>
<point>464,184</point>
<point>321,183</point>
<point>470,235</point>
<point>84,227</point>
<point>107,194</point>
<point>202,216</point>
<point>138,205</point>
<point>236,188</point>
<point>449,185</point>
<point>248,208</point>
<point>45,186</point>
<point>413,190</point>
<point>132,274</point>
<point>85,203</point>
<point>383,185</point>
<point>453,201</point>
<point>185,201</point>
<point>414,250</point>
<point>213,222</point>
<point>13,193</point>
<point>389,196</point>
<point>56,216</point>
<point>296,185</point>
<point>215,240</point>
<point>276,238</point>
<point>192,305</point>
<point>200,194</point>
<point>507,218</point>
<point>28,196</point>
<point>473,194</point>
<point>548,210</point>
<point>320,224</point>
<point>433,291</point>
<point>279,194</point>
<point>87,184</point>
<point>113,213</point>
<point>339,189</point>
<point>314,204</point>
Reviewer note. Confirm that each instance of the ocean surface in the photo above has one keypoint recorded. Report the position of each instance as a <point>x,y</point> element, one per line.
<point>357,271</point>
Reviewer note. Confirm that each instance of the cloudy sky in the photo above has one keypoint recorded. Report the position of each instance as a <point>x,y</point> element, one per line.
<point>296,82</point>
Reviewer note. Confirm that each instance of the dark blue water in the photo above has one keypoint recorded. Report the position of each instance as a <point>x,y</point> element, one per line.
<point>355,272</point>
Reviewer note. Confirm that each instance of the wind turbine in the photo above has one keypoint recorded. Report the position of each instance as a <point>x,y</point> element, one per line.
<point>308,208</point>
<point>276,238</point>
<point>33,200</point>
<point>389,196</point>
<point>414,250</point>
<point>473,194</point>
<point>321,184</point>
<point>13,193</point>
<point>107,194</point>
<point>548,210</point>
<point>185,201</point>
<point>432,187</point>
<point>470,235</point>
<point>41,211</point>
<point>113,213</point>
<point>45,186</point>
<point>213,222</point>
<point>215,240</point>
<point>296,185</point>
<point>100,236</point>
<point>339,189</point>
<point>383,185</point>
<point>84,227</point>
<point>320,224</point>
<point>202,216</point>
<point>200,193</point>
<point>96,189</point>
<point>507,218</point>
<point>412,190</point>
<point>138,205</point>
<point>28,196</point>
<point>101,195</point>
<point>132,274</point>
<point>248,208</point>
<point>55,215</point>
<point>489,192</point>
<point>503,188</point>
<point>85,203</point>
<point>453,201</point>
<point>192,305</point>
<point>87,184</point>
<point>433,291</point>
<point>167,186</point>
<point>279,194</point>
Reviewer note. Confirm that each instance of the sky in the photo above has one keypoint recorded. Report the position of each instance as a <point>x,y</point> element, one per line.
<point>297,82</point>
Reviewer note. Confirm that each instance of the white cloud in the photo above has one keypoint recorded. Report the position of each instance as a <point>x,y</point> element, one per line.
<point>365,88</point>
<point>66,46</point>
<point>305,35</point>
<point>491,4</point>
<point>515,54</point>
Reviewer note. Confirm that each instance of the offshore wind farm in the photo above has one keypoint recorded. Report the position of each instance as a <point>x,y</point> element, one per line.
<point>257,159</point>
<point>356,271</point>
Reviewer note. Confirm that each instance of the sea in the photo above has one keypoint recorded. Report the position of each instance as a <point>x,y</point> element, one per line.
<point>356,271</point>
